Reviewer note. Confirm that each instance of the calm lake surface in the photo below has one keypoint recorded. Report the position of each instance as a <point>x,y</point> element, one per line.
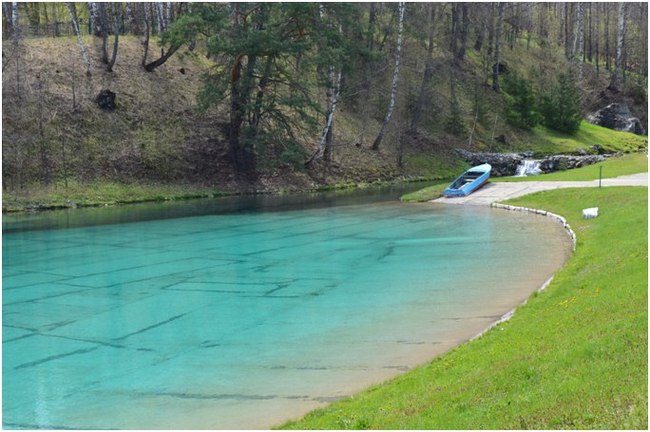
<point>244,313</point>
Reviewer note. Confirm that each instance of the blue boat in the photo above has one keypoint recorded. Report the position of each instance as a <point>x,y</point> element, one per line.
<point>471,180</point>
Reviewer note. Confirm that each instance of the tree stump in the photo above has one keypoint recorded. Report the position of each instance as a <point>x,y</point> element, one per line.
<point>106,100</point>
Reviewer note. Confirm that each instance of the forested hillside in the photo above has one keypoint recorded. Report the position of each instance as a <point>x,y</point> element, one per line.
<point>270,95</point>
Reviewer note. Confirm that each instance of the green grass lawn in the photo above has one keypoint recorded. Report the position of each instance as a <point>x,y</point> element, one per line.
<point>613,167</point>
<point>574,357</point>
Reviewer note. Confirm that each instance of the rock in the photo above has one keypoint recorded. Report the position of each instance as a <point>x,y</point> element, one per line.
<point>598,149</point>
<point>500,68</point>
<point>106,100</point>
<point>503,164</point>
<point>564,162</point>
<point>590,213</point>
<point>617,116</point>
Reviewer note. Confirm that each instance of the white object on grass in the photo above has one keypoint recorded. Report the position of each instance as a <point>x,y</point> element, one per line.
<point>590,213</point>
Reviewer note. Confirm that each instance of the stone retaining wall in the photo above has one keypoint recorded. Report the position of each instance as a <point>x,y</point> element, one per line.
<point>553,216</point>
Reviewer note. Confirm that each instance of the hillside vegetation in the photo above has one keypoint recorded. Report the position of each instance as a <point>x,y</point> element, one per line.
<point>174,125</point>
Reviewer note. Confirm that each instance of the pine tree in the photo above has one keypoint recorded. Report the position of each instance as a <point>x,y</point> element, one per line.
<point>521,102</point>
<point>561,104</point>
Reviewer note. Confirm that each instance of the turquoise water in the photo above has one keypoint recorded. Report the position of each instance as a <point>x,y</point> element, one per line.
<point>246,319</point>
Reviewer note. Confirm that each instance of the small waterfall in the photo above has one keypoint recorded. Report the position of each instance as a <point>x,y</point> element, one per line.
<point>528,167</point>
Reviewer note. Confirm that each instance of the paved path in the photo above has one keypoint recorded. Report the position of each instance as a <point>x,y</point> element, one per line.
<point>501,191</point>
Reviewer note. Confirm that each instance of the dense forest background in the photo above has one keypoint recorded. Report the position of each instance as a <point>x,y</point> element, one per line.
<point>273,94</point>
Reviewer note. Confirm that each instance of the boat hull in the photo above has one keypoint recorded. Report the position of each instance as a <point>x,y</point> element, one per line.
<point>469,181</point>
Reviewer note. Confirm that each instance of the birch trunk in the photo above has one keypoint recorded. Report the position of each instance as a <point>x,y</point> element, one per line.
<point>94,21</point>
<point>577,50</point>
<point>15,25</point>
<point>161,20</point>
<point>607,53</point>
<point>147,31</point>
<point>333,93</point>
<point>75,26</point>
<point>324,143</point>
<point>620,47</point>
<point>393,93</point>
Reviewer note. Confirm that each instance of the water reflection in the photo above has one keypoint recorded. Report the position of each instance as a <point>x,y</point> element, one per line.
<point>71,218</point>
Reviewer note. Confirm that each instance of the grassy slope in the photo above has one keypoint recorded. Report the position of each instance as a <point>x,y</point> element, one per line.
<point>548,141</point>
<point>575,356</point>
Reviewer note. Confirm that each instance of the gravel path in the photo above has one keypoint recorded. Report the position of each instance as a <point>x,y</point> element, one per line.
<point>501,191</point>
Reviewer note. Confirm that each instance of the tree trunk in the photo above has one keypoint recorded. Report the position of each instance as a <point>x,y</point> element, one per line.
<point>46,19</point>
<point>608,65</point>
<point>590,46</point>
<point>102,20</point>
<point>55,21</point>
<point>6,18</point>
<point>481,29</point>
<point>577,50</point>
<point>462,28</point>
<point>490,29</point>
<point>393,93</point>
<point>567,48</point>
<point>146,8</point>
<point>620,47</point>
<point>93,19</point>
<point>372,17</point>
<point>497,49</point>
<point>455,25</point>
<point>15,25</point>
<point>261,89</point>
<point>75,25</point>
<point>162,59</point>
<point>423,96</point>
<point>324,146</point>
<point>117,15</point>
<point>241,86</point>
<point>161,18</point>
<point>597,40</point>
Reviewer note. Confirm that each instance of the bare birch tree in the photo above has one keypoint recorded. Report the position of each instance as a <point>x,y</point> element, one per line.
<point>577,49</point>
<point>75,25</point>
<point>146,9</point>
<point>393,92</point>
<point>15,25</point>
<point>324,145</point>
<point>620,47</point>
<point>333,93</point>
